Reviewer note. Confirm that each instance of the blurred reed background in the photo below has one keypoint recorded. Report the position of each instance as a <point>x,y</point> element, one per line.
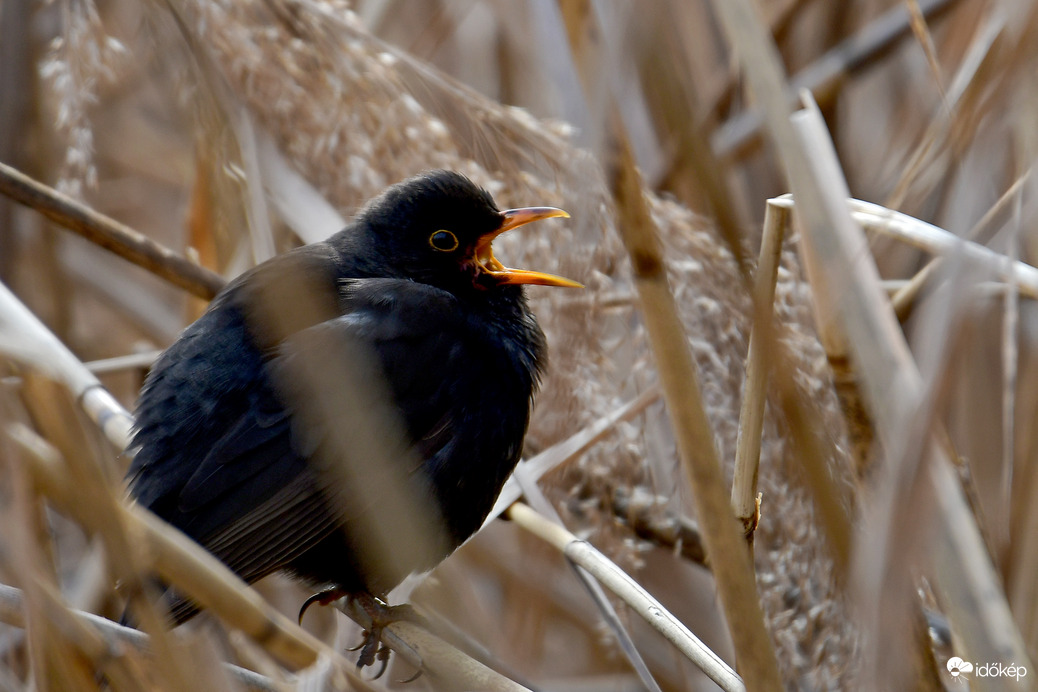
<point>228,131</point>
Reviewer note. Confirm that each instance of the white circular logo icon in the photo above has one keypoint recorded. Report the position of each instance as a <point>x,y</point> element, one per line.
<point>956,666</point>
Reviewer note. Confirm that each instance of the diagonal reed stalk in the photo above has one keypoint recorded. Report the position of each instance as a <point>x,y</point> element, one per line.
<point>109,234</point>
<point>892,385</point>
<point>177,559</point>
<point>727,552</point>
<point>605,571</point>
<point>12,612</point>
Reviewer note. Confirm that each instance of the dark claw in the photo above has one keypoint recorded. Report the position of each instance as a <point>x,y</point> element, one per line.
<point>383,656</point>
<point>306,604</point>
<point>417,674</point>
<point>323,597</point>
<point>364,634</point>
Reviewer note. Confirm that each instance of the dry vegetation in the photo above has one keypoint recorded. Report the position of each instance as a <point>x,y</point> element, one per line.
<point>898,465</point>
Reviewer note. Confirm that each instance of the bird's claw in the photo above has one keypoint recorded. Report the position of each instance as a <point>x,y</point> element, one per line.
<point>382,615</point>
<point>371,647</point>
<point>417,674</point>
<point>371,643</point>
<point>321,597</point>
<point>383,656</point>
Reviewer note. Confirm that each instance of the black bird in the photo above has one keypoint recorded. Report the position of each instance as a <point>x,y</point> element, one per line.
<point>381,378</point>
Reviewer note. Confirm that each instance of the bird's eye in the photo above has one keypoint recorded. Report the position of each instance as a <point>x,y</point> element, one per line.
<point>444,241</point>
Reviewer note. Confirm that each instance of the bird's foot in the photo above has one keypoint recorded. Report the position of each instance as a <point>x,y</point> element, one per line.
<point>381,614</point>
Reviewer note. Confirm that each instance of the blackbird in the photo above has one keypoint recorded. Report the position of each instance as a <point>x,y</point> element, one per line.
<point>381,378</point>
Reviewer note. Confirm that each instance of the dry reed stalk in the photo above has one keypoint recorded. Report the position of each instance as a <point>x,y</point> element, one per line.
<point>905,297</point>
<point>762,68</point>
<point>1022,587</point>
<point>24,338</point>
<point>999,51</point>
<point>767,83</point>
<point>134,361</point>
<point>872,42</point>
<point>606,572</point>
<point>641,511</point>
<point>696,170</point>
<point>448,667</point>
<point>183,563</point>
<point>729,558</point>
<point>64,654</point>
<point>937,241</point>
<point>893,388</point>
<point>1003,514</point>
<point>561,453</point>
<point>905,655</point>
<point>58,659</point>
<point>12,606</point>
<point>745,500</point>
<point>109,234</point>
<point>536,499</point>
<point>94,481</point>
<point>925,39</point>
<point>257,218</point>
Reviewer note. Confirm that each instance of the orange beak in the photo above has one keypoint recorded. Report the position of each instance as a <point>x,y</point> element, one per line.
<point>514,218</point>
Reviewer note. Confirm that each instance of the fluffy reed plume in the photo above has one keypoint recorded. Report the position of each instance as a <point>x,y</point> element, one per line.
<point>271,92</point>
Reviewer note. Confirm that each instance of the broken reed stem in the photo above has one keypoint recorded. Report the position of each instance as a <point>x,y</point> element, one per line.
<point>109,234</point>
<point>12,612</point>
<point>755,392</point>
<point>616,580</point>
<point>727,551</point>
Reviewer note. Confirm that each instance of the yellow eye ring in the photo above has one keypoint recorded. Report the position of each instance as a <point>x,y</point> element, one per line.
<point>444,241</point>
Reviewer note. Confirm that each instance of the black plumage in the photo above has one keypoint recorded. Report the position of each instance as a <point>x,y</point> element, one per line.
<point>251,427</point>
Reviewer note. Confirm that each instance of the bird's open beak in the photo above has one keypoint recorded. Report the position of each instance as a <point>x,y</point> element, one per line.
<point>514,218</point>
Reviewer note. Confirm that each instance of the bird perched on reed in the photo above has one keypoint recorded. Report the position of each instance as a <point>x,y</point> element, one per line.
<point>349,411</point>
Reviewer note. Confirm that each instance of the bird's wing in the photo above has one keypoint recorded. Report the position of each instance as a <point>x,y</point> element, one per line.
<point>207,401</point>
<point>257,499</point>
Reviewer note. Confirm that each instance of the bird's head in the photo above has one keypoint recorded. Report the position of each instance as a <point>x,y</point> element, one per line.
<point>437,228</point>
